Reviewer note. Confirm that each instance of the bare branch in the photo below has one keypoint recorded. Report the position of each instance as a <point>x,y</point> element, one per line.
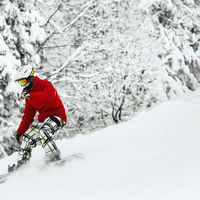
<point>69,25</point>
<point>56,46</point>
<point>117,115</point>
<point>41,46</point>
<point>59,7</point>
<point>67,62</point>
<point>119,112</point>
<point>113,113</point>
<point>77,18</point>
<point>35,3</point>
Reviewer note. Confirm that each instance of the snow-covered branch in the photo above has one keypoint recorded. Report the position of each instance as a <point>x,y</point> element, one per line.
<point>66,27</point>
<point>58,8</point>
<point>75,53</point>
<point>77,17</point>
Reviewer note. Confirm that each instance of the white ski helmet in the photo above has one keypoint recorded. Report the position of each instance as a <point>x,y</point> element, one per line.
<point>24,75</point>
<point>24,72</point>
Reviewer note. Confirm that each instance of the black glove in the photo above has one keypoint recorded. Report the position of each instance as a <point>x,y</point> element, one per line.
<point>18,138</point>
<point>24,95</point>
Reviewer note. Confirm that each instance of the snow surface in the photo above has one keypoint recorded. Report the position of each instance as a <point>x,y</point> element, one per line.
<point>154,156</point>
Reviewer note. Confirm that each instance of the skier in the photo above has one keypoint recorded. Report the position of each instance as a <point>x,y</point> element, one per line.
<point>40,96</point>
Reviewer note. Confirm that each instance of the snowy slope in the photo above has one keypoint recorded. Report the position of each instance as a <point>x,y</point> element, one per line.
<point>154,156</point>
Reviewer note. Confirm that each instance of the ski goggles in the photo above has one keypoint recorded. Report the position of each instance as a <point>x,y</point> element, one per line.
<point>23,82</point>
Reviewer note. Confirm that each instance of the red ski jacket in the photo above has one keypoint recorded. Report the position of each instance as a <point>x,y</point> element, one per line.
<point>44,99</point>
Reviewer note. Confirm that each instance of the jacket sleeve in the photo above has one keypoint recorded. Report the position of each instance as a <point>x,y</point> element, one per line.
<point>27,119</point>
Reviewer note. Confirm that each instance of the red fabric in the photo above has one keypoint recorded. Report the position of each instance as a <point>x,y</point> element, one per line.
<point>44,99</point>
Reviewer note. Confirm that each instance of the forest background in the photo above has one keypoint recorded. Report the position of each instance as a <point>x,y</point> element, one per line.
<point>108,59</point>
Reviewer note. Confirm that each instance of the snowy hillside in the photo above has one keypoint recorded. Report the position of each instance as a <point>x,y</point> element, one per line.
<point>108,59</point>
<point>152,157</point>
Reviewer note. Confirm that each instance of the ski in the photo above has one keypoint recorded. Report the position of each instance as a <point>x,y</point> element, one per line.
<point>3,177</point>
<point>63,161</point>
<point>11,170</point>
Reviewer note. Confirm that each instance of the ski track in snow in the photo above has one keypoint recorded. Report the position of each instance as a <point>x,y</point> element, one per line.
<point>154,156</point>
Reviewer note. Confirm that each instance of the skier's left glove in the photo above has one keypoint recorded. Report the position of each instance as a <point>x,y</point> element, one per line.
<point>24,95</point>
<point>18,138</point>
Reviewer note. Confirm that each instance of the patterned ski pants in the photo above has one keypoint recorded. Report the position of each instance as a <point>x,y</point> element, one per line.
<point>41,133</point>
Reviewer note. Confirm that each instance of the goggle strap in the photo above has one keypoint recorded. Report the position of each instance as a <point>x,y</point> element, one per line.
<point>32,72</point>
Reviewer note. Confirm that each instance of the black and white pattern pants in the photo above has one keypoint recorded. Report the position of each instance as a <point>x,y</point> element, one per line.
<point>41,133</point>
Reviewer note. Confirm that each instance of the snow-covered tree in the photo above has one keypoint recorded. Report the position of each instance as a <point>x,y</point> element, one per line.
<point>8,100</point>
<point>20,35</point>
<point>21,29</point>
<point>177,27</point>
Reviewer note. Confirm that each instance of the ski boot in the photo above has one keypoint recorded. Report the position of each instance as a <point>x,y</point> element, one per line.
<point>19,164</point>
<point>12,168</point>
<point>24,157</point>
